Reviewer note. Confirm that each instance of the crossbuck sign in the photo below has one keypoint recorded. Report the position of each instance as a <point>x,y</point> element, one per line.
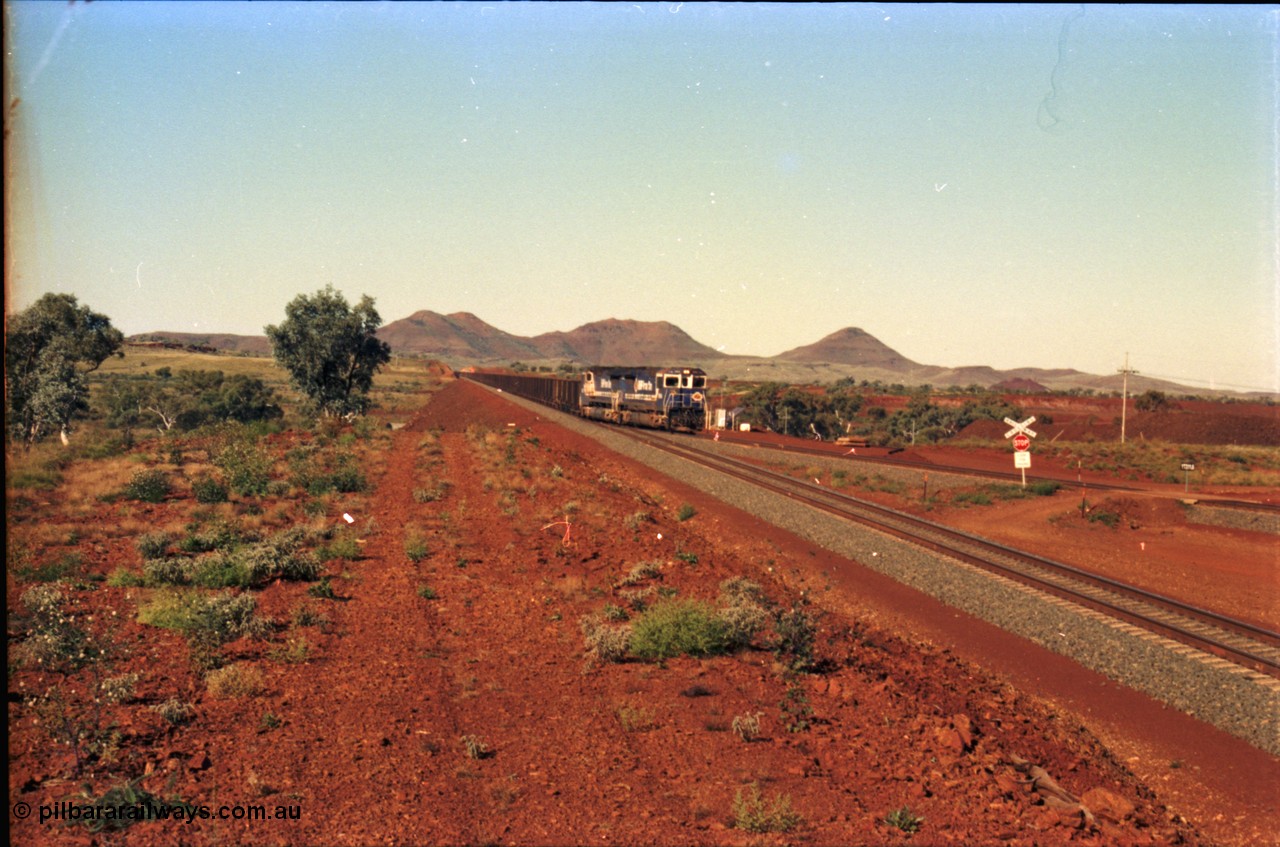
<point>1021,433</point>
<point>1024,427</point>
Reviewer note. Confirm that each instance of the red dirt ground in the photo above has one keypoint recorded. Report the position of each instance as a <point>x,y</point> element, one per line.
<point>918,706</point>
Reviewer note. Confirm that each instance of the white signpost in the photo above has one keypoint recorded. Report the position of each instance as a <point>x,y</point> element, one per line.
<point>1021,433</point>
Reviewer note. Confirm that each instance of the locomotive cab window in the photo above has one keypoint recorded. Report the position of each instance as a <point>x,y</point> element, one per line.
<point>671,381</point>
<point>699,382</point>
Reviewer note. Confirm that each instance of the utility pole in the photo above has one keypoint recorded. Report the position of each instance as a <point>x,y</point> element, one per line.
<point>1124,397</point>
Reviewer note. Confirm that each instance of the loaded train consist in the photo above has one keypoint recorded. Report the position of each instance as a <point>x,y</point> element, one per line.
<point>662,398</point>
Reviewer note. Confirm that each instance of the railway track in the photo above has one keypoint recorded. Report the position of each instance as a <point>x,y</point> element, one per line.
<point>1235,641</point>
<point>1003,476</point>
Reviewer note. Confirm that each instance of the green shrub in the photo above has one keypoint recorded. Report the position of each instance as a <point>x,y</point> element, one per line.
<point>426,592</point>
<point>795,630</point>
<point>679,627</point>
<point>415,548</point>
<point>903,819</point>
<point>65,566</point>
<point>246,466</point>
<point>686,511</point>
<point>1044,488</point>
<point>126,794</point>
<point>221,617</point>
<point>53,640</point>
<point>1105,516</point>
<point>752,814</point>
<point>175,571</point>
<point>345,547</point>
<point>207,489</point>
<point>322,589</point>
<point>148,486</point>
<point>153,545</point>
<point>217,537</point>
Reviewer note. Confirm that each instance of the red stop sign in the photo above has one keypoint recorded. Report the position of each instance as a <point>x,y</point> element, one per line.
<point>1021,442</point>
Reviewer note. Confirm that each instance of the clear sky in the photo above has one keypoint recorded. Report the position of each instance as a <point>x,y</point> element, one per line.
<point>1048,186</point>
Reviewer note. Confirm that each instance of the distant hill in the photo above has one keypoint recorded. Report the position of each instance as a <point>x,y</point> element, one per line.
<point>626,342</point>
<point>461,339</point>
<point>461,336</point>
<point>851,346</point>
<point>256,345</point>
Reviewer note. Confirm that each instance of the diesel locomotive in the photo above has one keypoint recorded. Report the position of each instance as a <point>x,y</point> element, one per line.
<point>673,398</point>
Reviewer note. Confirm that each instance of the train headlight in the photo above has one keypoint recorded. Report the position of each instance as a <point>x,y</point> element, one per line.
<point>697,396</point>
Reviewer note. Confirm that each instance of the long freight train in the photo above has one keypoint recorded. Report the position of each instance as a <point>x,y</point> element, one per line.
<point>662,398</point>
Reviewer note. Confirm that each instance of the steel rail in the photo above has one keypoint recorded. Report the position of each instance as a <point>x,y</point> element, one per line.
<point>1266,661</point>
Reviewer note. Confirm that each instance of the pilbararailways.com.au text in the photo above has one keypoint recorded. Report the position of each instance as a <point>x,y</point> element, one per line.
<point>181,812</point>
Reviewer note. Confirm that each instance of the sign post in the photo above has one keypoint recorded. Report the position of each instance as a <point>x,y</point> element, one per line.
<point>1021,433</point>
<point>1187,468</point>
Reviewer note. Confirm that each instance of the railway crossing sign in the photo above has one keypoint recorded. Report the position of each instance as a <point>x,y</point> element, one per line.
<point>1023,428</point>
<point>1021,433</point>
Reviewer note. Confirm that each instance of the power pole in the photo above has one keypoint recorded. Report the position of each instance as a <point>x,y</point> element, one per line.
<point>1124,397</point>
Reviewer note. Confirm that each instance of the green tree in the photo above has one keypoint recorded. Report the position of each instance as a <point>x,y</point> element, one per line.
<point>330,349</point>
<point>49,347</point>
<point>1152,401</point>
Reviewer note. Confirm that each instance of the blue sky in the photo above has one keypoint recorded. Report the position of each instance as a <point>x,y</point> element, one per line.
<point>1048,186</point>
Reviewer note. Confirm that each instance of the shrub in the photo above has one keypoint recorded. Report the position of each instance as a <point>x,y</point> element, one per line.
<point>415,548</point>
<point>641,572</point>
<point>297,651</point>
<point>796,711</point>
<point>1044,488</point>
<point>795,631</point>
<point>148,486</point>
<point>747,727</point>
<point>605,644</point>
<point>322,589</point>
<point>153,545</point>
<point>686,511</point>
<point>206,489</point>
<point>345,547</point>
<point>177,571</point>
<point>903,819</point>
<point>220,617</point>
<point>174,711</point>
<point>305,615</point>
<point>678,627</point>
<point>474,747</point>
<point>752,814</point>
<point>127,794</point>
<point>1105,516</point>
<point>638,519</point>
<point>53,641</point>
<point>742,621</point>
<point>216,537</point>
<point>635,718</point>
<point>235,681</point>
<point>247,468</point>
<point>743,614</point>
<point>119,689</point>
<point>426,592</point>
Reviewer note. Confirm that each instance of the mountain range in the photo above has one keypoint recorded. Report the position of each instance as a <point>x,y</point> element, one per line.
<point>462,339</point>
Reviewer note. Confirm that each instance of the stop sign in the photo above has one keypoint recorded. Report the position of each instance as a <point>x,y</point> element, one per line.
<point>1021,442</point>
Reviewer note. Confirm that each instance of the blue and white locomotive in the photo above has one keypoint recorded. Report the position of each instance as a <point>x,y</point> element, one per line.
<point>663,398</point>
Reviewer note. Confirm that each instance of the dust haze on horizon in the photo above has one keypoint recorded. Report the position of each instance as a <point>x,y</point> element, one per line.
<point>1039,186</point>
